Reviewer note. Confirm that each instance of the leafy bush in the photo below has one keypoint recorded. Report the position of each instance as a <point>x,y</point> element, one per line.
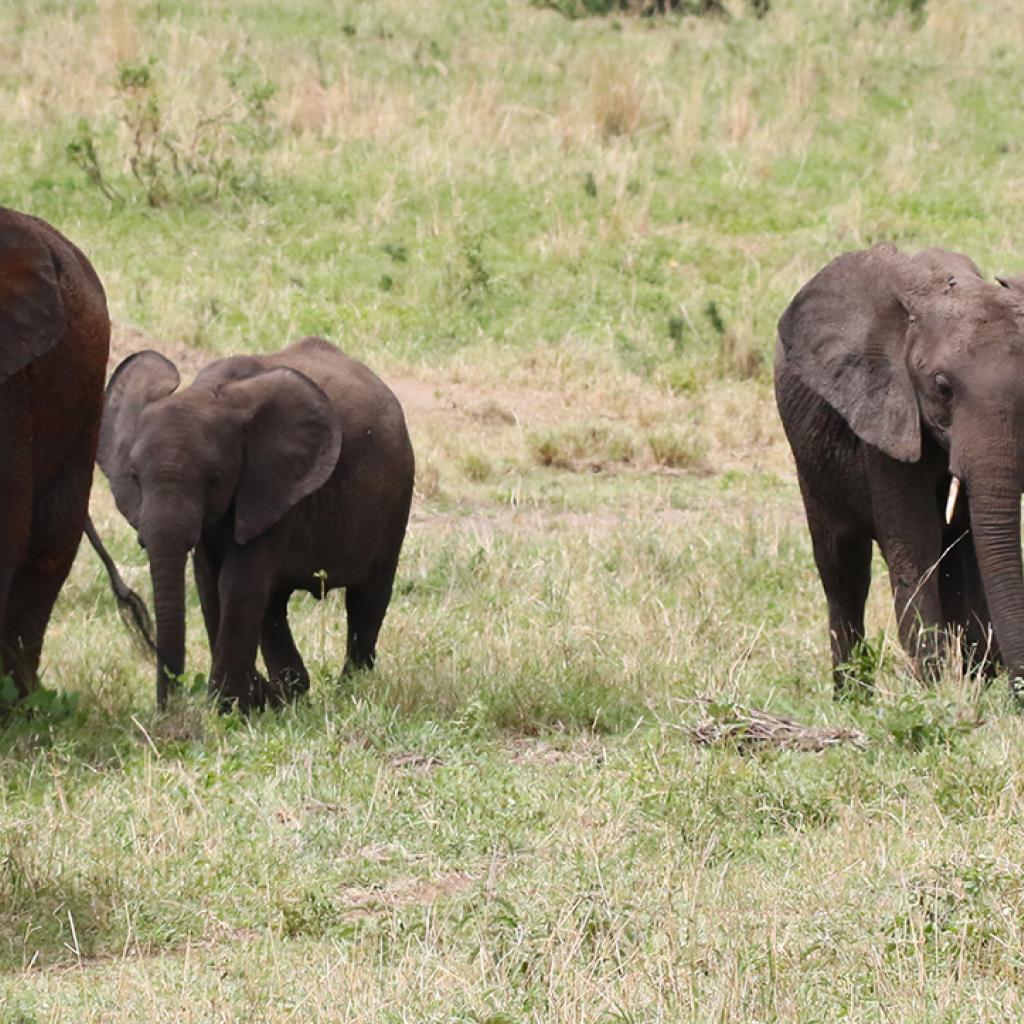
<point>171,156</point>
<point>587,446</point>
<point>919,720</point>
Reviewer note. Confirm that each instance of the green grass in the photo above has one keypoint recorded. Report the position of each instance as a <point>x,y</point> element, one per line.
<point>566,242</point>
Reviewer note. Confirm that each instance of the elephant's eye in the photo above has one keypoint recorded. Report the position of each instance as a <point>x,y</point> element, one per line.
<point>943,385</point>
<point>133,475</point>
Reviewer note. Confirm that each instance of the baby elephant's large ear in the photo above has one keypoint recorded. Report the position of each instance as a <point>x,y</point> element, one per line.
<point>140,379</point>
<point>845,336</point>
<point>292,444</point>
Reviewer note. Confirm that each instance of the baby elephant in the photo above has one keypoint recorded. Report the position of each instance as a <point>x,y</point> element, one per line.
<point>282,472</point>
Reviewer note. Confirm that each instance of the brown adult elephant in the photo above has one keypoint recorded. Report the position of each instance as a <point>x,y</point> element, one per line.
<point>900,383</point>
<point>283,472</point>
<point>54,337</point>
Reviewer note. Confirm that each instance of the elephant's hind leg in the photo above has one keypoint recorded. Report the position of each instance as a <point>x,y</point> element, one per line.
<point>288,678</point>
<point>11,662</point>
<point>366,605</point>
<point>58,516</point>
<point>15,524</point>
<point>6,578</point>
<point>33,593</point>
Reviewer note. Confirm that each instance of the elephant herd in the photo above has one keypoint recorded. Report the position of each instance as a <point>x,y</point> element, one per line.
<point>899,381</point>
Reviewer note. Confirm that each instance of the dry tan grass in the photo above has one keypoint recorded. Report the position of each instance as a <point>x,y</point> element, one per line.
<point>686,119</point>
<point>344,108</point>
<point>740,115</point>
<point>729,425</point>
<point>119,30</point>
<point>619,100</point>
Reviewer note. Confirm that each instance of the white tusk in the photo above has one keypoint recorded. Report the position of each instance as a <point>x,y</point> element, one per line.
<point>954,490</point>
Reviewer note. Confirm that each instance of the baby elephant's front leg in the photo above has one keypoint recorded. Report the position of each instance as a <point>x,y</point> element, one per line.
<point>246,583</point>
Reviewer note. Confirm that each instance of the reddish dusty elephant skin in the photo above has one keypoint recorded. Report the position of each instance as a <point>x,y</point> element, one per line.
<point>54,341</point>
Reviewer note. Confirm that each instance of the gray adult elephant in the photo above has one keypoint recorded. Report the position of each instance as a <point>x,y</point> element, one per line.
<point>282,472</point>
<point>900,383</point>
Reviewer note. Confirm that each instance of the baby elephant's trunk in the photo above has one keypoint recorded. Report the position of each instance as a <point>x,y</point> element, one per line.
<point>167,570</point>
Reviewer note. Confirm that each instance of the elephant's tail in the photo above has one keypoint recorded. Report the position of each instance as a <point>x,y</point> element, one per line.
<point>131,607</point>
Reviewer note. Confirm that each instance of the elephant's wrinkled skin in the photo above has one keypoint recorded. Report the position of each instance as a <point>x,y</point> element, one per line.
<point>282,472</point>
<point>895,374</point>
<point>54,341</point>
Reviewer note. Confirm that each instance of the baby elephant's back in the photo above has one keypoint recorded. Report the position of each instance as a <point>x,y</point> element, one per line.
<point>364,506</point>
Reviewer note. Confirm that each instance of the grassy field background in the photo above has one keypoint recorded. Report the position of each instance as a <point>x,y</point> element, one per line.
<point>566,244</point>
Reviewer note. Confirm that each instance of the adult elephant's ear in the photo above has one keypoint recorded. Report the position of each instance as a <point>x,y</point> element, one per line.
<point>140,379</point>
<point>292,443</point>
<point>32,315</point>
<point>845,336</point>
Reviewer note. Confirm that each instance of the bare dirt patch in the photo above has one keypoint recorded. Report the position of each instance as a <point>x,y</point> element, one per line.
<point>126,340</point>
<point>733,424</point>
<point>470,402</point>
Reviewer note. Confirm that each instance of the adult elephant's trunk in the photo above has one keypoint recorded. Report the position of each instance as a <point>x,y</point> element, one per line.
<point>167,570</point>
<point>995,523</point>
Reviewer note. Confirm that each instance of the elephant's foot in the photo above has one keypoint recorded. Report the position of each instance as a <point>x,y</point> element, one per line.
<point>930,651</point>
<point>241,691</point>
<point>15,687</point>
<point>17,682</point>
<point>282,688</point>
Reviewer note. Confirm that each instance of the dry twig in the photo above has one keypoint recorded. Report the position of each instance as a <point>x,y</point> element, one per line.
<point>726,722</point>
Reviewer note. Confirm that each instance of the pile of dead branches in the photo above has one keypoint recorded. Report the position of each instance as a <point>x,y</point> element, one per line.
<point>649,8</point>
<point>753,729</point>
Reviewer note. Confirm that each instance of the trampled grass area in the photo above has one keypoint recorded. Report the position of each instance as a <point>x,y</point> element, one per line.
<point>566,244</point>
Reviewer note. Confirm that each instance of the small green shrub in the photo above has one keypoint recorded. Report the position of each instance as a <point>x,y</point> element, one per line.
<point>920,720</point>
<point>675,450</point>
<point>582,447</point>
<point>476,466</point>
<point>202,159</point>
<point>467,279</point>
<point>861,668</point>
<point>957,907</point>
